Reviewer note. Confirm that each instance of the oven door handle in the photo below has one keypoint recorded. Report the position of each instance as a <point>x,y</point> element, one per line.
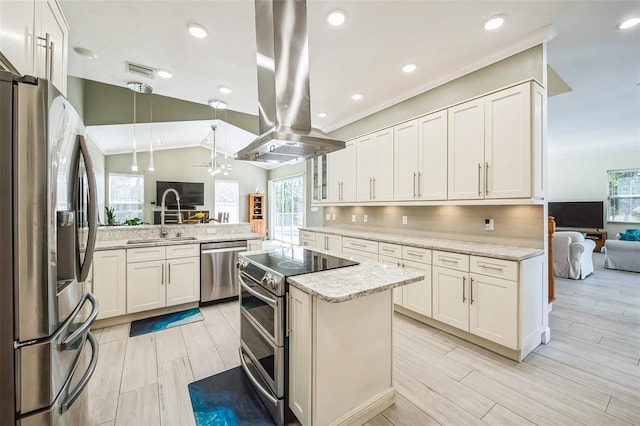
<point>269,301</point>
<point>253,380</point>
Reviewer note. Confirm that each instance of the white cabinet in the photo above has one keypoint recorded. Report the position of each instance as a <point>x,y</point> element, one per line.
<point>110,282</point>
<point>374,166</point>
<point>415,297</point>
<point>34,38</point>
<point>342,174</point>
<point>495,145</point>
<point>319,179</point>
<point>307,239</point>
<point>420,158</point>
<point>253,245</point>
<point>162,276</point>
<point>358,249</point>
<point>299,315</point>
<point>482,302</point>
<point>329,242</point>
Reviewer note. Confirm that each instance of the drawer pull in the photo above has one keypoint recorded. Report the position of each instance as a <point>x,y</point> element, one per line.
<point>447,259</point>
<point>388,250</point>
<point>493,268</point>
<point>358,245</point>
<point>411,253</point>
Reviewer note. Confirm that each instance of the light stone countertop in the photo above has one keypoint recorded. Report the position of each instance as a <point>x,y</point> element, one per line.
<point>156,242</point>
<point>350,282</point>
<point>495,251</point>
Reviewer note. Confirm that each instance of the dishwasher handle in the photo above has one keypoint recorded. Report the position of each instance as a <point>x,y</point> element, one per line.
<point>225,250</point>
<point>242,244</point>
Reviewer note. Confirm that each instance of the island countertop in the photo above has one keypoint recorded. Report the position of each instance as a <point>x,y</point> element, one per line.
<point>350,282</point>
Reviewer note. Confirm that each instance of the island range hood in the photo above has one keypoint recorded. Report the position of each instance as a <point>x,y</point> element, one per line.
<point>284,104</point>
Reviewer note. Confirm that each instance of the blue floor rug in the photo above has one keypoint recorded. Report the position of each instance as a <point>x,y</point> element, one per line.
<point>162,322</point>
<point>227,399</point>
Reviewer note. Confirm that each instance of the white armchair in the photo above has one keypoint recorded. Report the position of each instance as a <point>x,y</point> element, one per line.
<point>572,255</point>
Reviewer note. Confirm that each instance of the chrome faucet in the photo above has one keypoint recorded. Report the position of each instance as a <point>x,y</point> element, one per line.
<point>163,230</point>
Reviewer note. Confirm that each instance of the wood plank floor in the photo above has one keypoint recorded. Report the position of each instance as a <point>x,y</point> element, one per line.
<point>588,374</point>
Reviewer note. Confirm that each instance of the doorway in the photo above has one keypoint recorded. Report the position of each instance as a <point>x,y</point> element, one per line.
<point>287,208</point>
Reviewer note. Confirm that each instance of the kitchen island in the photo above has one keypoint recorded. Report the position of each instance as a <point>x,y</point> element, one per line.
<point>340,342</point>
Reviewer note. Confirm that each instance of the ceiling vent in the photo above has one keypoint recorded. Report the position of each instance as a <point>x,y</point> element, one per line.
<point>141,70</point>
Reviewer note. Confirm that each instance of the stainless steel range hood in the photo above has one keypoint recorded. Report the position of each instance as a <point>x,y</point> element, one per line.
<point>283,87</point>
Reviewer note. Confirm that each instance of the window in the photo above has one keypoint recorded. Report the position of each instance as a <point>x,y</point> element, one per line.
<point>624,195</point>
<point>287,206</point>
<point>228,199</point>
<point>126,195</point>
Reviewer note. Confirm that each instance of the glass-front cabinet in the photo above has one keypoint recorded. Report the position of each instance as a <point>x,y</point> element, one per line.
<point>320,179</point>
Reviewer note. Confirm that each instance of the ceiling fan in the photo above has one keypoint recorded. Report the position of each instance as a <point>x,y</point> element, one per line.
<point>214,166</point>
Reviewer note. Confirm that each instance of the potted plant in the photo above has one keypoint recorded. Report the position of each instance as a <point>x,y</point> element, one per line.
<point>110,214</point>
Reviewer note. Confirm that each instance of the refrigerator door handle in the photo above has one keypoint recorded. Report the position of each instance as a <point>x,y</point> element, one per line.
<point>85,326</point>
<point>92,210</point>
<point>74,394</point>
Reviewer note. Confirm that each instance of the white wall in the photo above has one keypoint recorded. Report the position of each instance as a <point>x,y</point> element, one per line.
<point>584,178</point>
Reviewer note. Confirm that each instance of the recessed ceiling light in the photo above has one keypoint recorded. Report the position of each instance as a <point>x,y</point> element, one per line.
<point>409,68</point>
<point>322,114</point>
<point>629,23</point>
<point>224,89</point>
<point>494,23</point>
<point>356,96</point>
<point>159,142</point>
<point>336,17</point>
<point>197,30</point>
<point>87,53</point>
<point>217,104</point>
<point>164,73</point>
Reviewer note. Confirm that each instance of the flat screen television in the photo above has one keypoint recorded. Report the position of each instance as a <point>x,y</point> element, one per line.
<point>191,194</point>
<point>578,214</point>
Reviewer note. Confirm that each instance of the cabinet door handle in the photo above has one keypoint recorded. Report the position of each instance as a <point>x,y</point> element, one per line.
<point>419,176</point>
<point>374,187</point>
<point>486,178</point>
<point>169,277</point>
<point>464,284</point>
<point>51,56</point>
<point>162,279</point>
<point>479,178</point>
<point>288,333</point>
<point>371,188</point>
<point>414,184</point>
<point>471,289</point>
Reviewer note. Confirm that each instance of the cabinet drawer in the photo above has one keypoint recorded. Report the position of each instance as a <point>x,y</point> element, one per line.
<point>144,254</point>
<point>393,250</point>
<point>457,261</point>
<point>306,235</point>
<point>308,242</point>
<point>361,245</point>
<point>415,254</point>
<point>184,250</point>
<point>495,267</point>
<point>359,255</point>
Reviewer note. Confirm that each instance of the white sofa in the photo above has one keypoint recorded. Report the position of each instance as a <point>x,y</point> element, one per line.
<point>572,255</point>
<point>623,255</point>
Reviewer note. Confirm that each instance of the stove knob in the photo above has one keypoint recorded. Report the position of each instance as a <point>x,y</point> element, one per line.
<point>272,283</point>
<point>242,265</point>
<point>266,279</point>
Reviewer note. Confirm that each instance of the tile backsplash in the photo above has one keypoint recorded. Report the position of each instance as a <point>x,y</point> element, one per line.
<point>522,225</point>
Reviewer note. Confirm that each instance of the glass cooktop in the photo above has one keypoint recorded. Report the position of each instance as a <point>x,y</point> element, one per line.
<point>290,261</point>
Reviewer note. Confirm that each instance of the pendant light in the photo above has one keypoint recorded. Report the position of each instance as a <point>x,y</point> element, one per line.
<point>216,104</point>
<point>151,165</point>
<point>137,87</point>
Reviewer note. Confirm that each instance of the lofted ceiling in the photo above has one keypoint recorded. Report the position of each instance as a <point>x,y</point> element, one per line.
<point>365,55</point>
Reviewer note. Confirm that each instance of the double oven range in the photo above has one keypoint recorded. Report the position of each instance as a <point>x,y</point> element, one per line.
<point>263,332</point>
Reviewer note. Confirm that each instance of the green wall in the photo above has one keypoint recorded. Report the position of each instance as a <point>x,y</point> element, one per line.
<point>182,165</point>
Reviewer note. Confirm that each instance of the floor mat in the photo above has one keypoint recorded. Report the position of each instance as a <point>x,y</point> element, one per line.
<point>227,399</point>
<point>149,325</point>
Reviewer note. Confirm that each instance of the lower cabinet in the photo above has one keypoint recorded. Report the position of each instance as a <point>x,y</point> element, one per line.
<point>360,250</point>
<point>329,242</point>
<point>483,305</point>
<point>299,315</point>
<point>253,245</point>
<point>307,239</point>
<point>162,276</point>
<point>110,282</point>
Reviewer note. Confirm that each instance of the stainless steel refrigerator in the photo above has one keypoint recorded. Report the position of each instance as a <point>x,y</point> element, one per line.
<point>48,223</point>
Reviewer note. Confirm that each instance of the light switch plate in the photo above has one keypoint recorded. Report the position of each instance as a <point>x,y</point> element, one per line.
<point>488,224</point>
<point>404,220</point>
<point>334,216</point>
<point>327,217</point>
<point>353,218</point>
<point>366,218</point>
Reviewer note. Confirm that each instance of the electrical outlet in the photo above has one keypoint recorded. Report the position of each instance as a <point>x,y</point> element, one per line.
<point>327,217</point>
<point>334,216</point>
<point>404,220</point>
<point>353,218</point>
<point>488,224</point>
<point>365,218</point>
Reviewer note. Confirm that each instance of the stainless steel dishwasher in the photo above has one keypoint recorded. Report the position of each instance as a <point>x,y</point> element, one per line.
<point>218,274</point>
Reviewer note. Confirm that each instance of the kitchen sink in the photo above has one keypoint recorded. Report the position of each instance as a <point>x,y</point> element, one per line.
<point>157,240</point>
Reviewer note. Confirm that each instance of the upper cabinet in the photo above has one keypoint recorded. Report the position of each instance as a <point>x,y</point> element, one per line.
<point>319,179</point>
<point>34,39</point>
<point>374,166</point>
<point>342,174</point>
<point>495,146</point>
<point>420,158</point>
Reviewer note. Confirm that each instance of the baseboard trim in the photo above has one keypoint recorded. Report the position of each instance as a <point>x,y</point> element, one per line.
<point>368,410</point>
